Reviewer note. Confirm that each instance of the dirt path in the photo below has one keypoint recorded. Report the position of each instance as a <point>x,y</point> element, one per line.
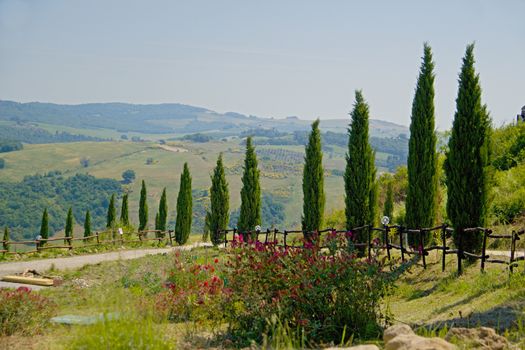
<point>505,253</point>
<point>73,262</point>
<point>173,149</point>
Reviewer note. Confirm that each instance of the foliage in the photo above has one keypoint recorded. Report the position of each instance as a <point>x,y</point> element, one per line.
<point>10,146</point>
<point>509,194</point>
<point>388,209</point>
<point>143,208</point>
<point>120,334</point>
<point>422,161</point>
<point>30,134</point>
<point>112,213</point>
<point>184,207</point>
<point>44,227</point>
<point>468,157</point>
<point>128,176</point>
<point>336,219</point>
<point>218,216</point>
<point>198,137</point>
<point>250,214</point>
<point>313,182</point>
<point>360,171</point>
<point>56,193</point>
<point>87,224</point>
<point>23,312</point>
<point>124,212</point>
<point>163,212</point>
<point>5,239</point>
<point>69,226</point>
<point>324,293</point>
<point>272,211</point>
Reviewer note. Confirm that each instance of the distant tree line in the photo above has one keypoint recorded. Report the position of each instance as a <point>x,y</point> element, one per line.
<point>34,135</point>
<point>10,146</point>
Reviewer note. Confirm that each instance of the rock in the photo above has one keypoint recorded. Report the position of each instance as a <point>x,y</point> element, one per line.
<point>395,330</point>
<point>357,347</point>
<point>478,338</point>
<point>415,342</point>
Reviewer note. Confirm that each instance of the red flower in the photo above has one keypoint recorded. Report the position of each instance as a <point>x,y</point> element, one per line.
<point>216,260</point>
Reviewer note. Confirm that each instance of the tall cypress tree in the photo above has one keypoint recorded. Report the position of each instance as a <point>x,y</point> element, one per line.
<point>112,213</point>
<point>360,186</point>
<point>143,208</point>
<point>250,215</point>
<point>44,227</point>
<point>69,225</point>
<point>184,207</point>
<point>124,212</point>
<point>313,182</point>
<point>388,209</point>
<point>218,216</point>
<point>87,224</point>
<point>5,243</point>
<point>422,172</point>
<point>163,212</point>
<point>466,165</point>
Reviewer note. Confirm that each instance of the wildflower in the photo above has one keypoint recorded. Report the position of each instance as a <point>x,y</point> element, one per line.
<point>216,260</point>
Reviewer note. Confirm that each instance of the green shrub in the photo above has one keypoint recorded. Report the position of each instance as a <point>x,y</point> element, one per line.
<point>23,312</point>
<point>120,334</point>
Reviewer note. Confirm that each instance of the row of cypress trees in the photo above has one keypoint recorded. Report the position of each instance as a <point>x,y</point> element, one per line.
<point>466,166</point>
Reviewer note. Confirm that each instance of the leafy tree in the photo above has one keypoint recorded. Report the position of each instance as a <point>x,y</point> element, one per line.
<point>112,213</point>
<point>44,227</point>
<point>69,225</point>
<point>250,214</point>
<point>422,159</point>
<point>218,216</point>
<point>128,176</point>
<point>163,212</point>
<point>143,208</point>
<point>87,224</point>
<point>184,207</point>
<point>5,244</point>
<point>466,166</point>
<point>313,183</point>
<point>124,215</point>
<point>360,188</point>
<point>388,209</point>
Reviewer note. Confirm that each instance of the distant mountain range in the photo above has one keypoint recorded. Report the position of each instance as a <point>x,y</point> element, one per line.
<point>169,118</point>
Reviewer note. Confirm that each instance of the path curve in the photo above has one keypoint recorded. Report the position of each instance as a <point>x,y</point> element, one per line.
<point>72,262</point>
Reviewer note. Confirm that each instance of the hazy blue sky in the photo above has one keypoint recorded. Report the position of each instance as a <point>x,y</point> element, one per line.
<point>268,58</point>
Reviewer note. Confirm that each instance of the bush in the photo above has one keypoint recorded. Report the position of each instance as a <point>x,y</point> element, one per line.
<point>324,293</point>
<point>23,312</point>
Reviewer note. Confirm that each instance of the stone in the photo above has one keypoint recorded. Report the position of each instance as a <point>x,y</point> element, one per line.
<point>478,338</point>
<point>395,330</point>
<point>415,342</point>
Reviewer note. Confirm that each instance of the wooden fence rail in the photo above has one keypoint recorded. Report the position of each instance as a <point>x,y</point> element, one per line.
<point>402,232</point>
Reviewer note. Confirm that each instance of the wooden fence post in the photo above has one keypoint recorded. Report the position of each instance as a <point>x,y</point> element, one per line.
<point>444,252</point>
<point>460,251</point>
<point>171,239</point>
<point>266,238</point>
<point>422,245</point>
<point>70,243</point>
<point>484,249</point>
<point>98,239</point>
<point>369,235</point>
<point>387,243</point>
<point>401,243</point>
<point>512,251</point>
<point>275,235</point>
<point>285,233</point>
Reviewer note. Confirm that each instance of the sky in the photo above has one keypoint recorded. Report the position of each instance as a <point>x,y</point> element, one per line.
<point>272,58</point>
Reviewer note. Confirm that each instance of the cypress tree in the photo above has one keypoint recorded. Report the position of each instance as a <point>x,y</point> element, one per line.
<point>466,165</point>
<point>44,227</point>
<point>313,182</point>
<point>87,224</point>
<point>388,209</point>
<point>184,207</point>
<point>360,187</point>
<point>5,243</point>
<point>163,212</point>
<point>69,226</point>
<point>218,217</point>
<point>250,215</point>
<point>422,172</point>
<point>124,215</point>
<point>143,208</point>
<point>111,216</point>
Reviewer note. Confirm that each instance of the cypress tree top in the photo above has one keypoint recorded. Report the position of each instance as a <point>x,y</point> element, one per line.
<point>422,172</point>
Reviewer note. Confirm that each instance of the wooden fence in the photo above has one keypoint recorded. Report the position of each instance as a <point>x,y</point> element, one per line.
<point>97,239</point>
<point>385,244</point>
